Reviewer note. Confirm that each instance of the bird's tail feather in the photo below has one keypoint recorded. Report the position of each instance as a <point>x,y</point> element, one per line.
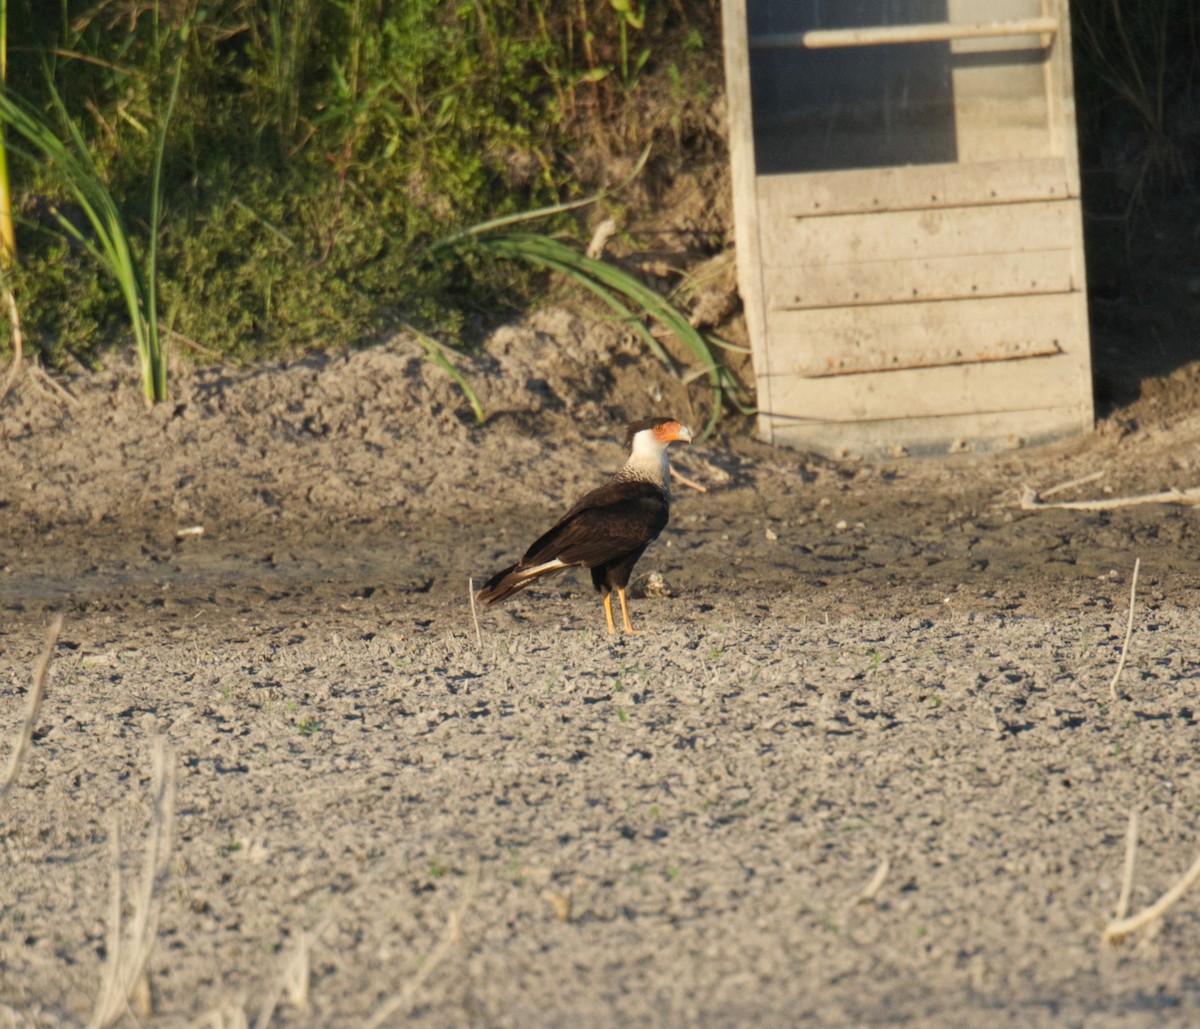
<point>512,579</point>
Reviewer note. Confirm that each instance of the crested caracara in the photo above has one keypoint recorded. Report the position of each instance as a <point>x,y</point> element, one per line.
<point>609,528</point>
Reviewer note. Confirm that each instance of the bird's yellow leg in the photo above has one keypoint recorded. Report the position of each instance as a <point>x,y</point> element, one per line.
<point>612,626</point>
<point>625,611</point>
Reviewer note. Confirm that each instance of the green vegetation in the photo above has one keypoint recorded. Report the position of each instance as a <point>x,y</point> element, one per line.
<point>251,179</point>
<point>105,237</point>
<point>315,152</point>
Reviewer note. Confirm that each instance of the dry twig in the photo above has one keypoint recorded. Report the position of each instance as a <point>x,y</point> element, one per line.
<point>33,705</point>
<point>1030,500</point>
<point>128,950</point>
<point>871,890</point>
<point>401,1004</point>
<point>1062,487</point>
<point>1112,686</point>
<point>1131,835</point>
<point>1118,929</point>
<point>689,483</point>
<point>474,614</point>
<point>47,385</point>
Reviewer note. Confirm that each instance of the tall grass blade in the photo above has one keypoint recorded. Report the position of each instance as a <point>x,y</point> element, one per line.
<point>109,242</point>
<point>155,362</point>
<point>455,238</point>
<point>435,352</point>
<point>630,298</point>
<point>8,239</point>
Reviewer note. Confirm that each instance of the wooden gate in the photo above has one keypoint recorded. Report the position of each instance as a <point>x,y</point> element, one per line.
<point>910,248</point>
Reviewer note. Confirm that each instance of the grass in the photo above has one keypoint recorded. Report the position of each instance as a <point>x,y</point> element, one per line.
<point>110,242</point>
<point>632,302</point>
<point>316,149</point>
<point>1137,69</point>
<point>436,354</point>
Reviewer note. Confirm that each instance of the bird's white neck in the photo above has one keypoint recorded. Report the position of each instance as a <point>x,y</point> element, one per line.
<point>648,461</point>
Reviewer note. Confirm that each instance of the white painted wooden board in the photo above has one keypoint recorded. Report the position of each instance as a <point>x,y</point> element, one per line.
<point>949,390</point>
<point>859,191</point>
<point>908,235</point>
<point>849,283</point>
<point>814,344</point>
<point>979,433</point>
<point>916,307</point>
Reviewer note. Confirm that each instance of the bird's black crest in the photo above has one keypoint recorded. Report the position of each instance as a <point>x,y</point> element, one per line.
<point>634,428</point>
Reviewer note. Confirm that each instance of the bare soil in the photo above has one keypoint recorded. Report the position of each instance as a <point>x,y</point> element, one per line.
<point>843,669</point>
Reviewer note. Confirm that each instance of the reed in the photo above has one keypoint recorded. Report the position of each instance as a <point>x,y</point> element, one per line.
<point>109,242</point>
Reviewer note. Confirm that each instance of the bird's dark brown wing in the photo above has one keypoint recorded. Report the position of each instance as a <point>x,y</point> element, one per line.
<point>603,525</point>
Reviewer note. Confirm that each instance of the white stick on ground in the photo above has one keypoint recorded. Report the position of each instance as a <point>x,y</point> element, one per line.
<point>873,887</point>
<point>1112,686</point>
<point>33,706</point>
<point>1120,928</point>
<point>396,1009</point>
<point>1030,502</point>
<point>128,950</point>
<point>1131,835</point>
<point>685,481</point>
<point>1062,487</point>
<point>474,616</point>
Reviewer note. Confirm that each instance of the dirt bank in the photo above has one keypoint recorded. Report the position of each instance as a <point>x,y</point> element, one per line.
<point>845,668</point>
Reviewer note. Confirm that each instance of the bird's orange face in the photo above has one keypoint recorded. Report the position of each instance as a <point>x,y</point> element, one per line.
<point>669,432</point>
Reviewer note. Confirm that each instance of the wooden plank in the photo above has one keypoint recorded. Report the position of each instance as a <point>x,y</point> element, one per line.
<point>926,437</point>
<point>919,187</point>
<point>915,281</point>
<point>745,191</point>
<point>886,35</point>
<point>839,340</point>
<point>958,390</point>
<point>1060,90</point>
<point>902,235</point>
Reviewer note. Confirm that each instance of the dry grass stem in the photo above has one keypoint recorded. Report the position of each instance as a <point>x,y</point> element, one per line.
<point>397,1008</point>
<point>1030,500</point>
<point>1062,487</point>
<point>1119,928</point>
<point>191,344</point>
<point>295,977</point>
<point>129,947</point>
<point>474,613</point>
<point>871,890</point>
<point>33,705</point>
<point>47,385</point>
<point>291,984</point>
<point>689,483</point>
<point>1131,835</point>
<point>228,1016</point>
<point>18,349</point>
<point>1112,686</point>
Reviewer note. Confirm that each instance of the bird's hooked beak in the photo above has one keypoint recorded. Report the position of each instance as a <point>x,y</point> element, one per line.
<point>671,432</point>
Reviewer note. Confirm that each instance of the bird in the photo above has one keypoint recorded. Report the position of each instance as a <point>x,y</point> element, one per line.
<point>607,529</point>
